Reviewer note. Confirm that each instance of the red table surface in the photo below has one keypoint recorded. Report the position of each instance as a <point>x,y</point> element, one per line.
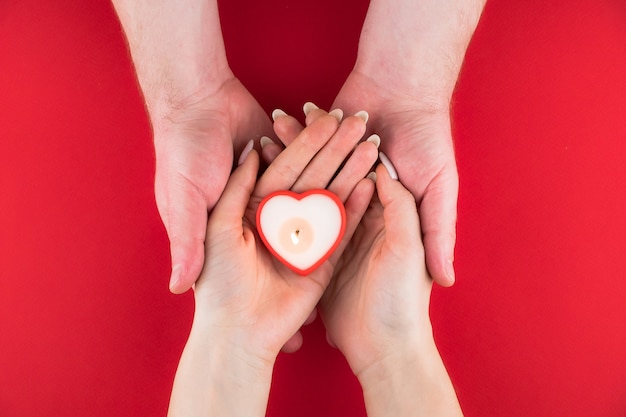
<point>535,326</point>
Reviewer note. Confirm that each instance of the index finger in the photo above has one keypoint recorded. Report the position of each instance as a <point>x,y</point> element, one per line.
<point>285,170</point>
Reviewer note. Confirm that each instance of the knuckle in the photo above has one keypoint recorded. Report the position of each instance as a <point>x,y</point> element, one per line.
<point>353,126</point>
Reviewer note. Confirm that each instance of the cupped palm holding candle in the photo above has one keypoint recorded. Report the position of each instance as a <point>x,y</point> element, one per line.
<point>248,304</point>
<point>302,230</point>
<point>376,308</point>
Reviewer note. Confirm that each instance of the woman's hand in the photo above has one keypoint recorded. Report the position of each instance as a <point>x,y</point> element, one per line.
<point>378,299</point>
<point>244,288</point>
<point>249,305</point>
<point>376,310</point>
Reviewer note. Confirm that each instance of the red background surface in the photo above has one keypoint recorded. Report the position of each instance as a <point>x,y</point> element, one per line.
<point>536,325</point>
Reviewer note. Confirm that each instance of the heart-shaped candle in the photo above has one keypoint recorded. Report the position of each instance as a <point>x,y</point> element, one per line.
<point>301,230</point>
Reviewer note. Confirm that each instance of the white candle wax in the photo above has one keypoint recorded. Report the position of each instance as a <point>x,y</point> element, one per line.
<point>301,232</point>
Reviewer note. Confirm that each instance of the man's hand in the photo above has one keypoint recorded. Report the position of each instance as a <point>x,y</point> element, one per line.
<point>202,116</point>
<point>416,137</point>
<point>410,55</point>
<point>194,158</point>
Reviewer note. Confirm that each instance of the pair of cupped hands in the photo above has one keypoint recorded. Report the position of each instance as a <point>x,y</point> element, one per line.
<point>198,138</point>
<point>373,292</point>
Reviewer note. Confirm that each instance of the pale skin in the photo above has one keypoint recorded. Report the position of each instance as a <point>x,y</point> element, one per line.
<point>245,313</point>
<point>410,54</point>
<point>376,311</point>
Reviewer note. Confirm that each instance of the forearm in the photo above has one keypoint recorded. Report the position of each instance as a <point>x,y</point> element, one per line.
<point>177,48</point>
<point>412,384</point>
<point>417,46</point>
<point>218,379</point>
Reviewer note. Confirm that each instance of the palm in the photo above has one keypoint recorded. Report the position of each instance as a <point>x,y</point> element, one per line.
<point>380,292</point>
<point>195,149</point>
<point>259,297</point>
<point>287,298</point>
<point>351,304</point>
<point>243,287</point>
<point>416,136</point>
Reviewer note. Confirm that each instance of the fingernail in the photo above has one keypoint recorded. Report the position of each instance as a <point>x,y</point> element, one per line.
<point>450,271</point>
<point>362,115</point>
<point>337,114</point>
<point>309,107</point>
<point>265,141</point>
<point>387,163</point>
<point>245,152</point>
<point>375,139</point>
<point>278,113</point>
<point>176,273</point>
<point>372,176</point>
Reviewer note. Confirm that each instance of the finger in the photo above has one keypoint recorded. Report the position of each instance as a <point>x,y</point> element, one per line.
<point>287,128</point>
<point>356,206</point>
<point>230,208</point>
<point>183,198</point>
<point>438,211</point>
<point>269,149</point>
<point>184,213</point>
<point>399,211</point>
<point>355,169</point>
<point>330,341</point>
<point>294,343</point>
<point>328,160</point>
<point>187,250</point>
<point>311,317</point>
<point>289,165</point>
<point>313,114</point>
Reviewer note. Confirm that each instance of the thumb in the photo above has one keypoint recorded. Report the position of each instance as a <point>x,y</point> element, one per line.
<point>399,210</point>
<point>438,216</point>
<point>184,215</point>
<point>230,209</point>
<point>190,175</point>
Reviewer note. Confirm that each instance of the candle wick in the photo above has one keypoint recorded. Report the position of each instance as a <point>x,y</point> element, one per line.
<point>295,237</point>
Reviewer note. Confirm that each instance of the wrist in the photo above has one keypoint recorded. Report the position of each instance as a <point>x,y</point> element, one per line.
<point>177,49</point>
<point>232,338</point>
<point>214,374</point>
<point>417,47</point>
<point>411,381</point>
<point>388,366</point>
